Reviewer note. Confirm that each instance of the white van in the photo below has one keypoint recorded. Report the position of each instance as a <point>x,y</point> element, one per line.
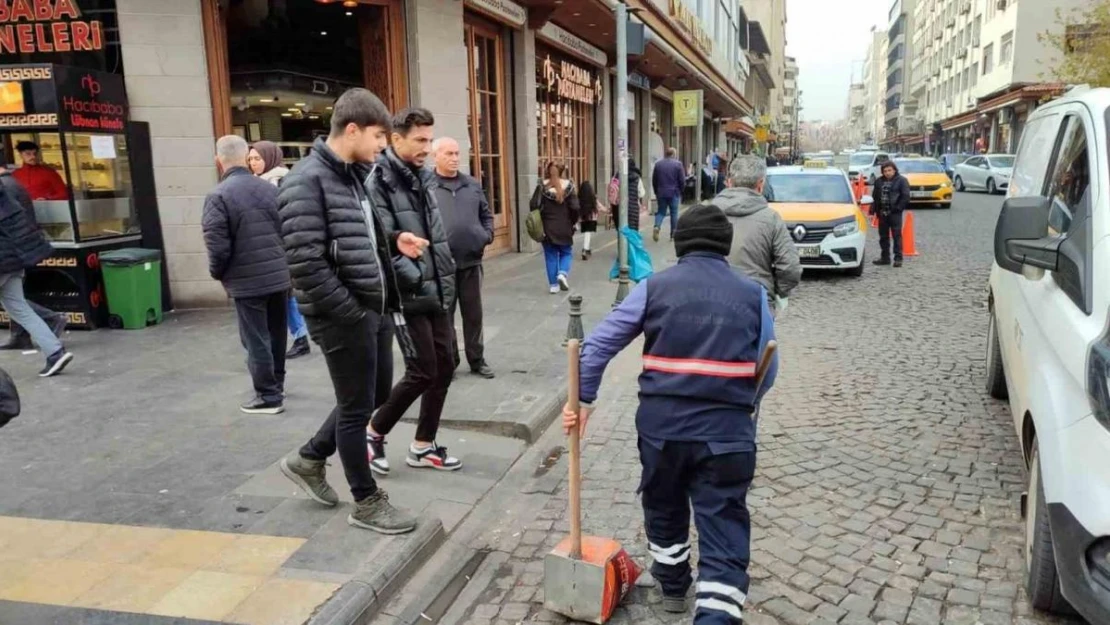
<point>866,163</point>
<point>1048,347</point>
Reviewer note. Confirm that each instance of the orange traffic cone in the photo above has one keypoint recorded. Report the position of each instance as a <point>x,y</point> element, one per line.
<point>874,221</point>
<point>909,247</point>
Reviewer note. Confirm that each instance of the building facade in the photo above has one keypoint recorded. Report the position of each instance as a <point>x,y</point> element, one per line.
<point>874,84</point>
<point>517,83</point>
<point>790,104</point>
<point>900,108</point>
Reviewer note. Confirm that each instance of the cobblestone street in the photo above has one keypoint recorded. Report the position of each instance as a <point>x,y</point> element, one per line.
<point>888,483</point>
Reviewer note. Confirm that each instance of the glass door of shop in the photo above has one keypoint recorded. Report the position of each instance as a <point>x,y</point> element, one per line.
<point>486,94</point>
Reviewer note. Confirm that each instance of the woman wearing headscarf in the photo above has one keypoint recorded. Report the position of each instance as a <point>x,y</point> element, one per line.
<point>265,161</point>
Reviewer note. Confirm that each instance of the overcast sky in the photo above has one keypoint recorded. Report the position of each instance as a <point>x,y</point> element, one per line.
<point>829,39</point>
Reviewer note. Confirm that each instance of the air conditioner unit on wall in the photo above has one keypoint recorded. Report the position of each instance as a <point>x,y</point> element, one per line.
<point>1001,4</point>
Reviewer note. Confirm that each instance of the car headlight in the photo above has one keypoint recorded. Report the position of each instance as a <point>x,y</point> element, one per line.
<point>945,184</point>
<point>846,228</point>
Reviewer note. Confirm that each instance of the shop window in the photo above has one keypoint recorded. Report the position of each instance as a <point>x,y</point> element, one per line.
<point>486,94</point>
<point>566,124</point>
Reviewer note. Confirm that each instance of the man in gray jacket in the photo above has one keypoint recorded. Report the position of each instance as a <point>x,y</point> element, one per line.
<point>761,246</point>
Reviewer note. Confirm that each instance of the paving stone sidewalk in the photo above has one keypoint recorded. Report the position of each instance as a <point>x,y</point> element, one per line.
<point>142,436</point>
<point>887,484</point>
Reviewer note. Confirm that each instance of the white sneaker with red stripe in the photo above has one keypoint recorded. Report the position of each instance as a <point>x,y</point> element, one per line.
<point>434,457</point>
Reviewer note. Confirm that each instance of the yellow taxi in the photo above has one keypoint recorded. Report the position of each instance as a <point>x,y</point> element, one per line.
<point>929,183</point>
<point>821,214</point>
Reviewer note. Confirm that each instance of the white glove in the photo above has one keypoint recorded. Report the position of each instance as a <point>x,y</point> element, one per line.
<point>781,303</point>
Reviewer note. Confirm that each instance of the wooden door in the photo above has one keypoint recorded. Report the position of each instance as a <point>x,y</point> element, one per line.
<point>486,92</point>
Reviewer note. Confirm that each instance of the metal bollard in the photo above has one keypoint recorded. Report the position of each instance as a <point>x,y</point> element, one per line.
<point>574,326</point>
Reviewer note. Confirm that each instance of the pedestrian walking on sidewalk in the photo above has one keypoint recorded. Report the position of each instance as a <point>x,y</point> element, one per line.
<point>667,181</point>
<point>339,261</point>
<point>705,328</point>
<point>19,337</point>
<point>23,245</point>
<point>761,245</point>
<point>469,225</point>
<point>402,192</point>
<point>636,194</point>
<point>557,201</point>
<point>892,198</point>
<point>242,232</point>
<point>265,161</point>
<point>591,209</point>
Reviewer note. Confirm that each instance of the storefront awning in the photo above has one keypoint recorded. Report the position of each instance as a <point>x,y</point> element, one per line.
<point>959,121</point>
<point>737,127</point>
<point>1018,94</point>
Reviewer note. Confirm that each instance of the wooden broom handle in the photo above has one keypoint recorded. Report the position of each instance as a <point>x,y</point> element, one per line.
<point>574,481</point>
<point>765,363</point>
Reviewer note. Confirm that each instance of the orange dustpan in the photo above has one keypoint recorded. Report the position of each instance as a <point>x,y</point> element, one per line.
<point>584,577</point>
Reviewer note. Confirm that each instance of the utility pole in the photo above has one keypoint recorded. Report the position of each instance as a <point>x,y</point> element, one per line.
<point>622,148</point>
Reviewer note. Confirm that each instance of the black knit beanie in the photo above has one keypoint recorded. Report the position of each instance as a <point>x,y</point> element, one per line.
<point>703,228</point>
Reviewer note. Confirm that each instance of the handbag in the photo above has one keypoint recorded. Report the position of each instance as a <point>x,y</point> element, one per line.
<point>533,224</point>
<point>9,398</point>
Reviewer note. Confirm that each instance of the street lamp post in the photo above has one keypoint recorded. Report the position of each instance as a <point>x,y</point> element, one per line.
<point>622,148</point>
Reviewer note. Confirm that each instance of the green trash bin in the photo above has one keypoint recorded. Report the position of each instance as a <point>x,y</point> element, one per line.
<point>133,286</point>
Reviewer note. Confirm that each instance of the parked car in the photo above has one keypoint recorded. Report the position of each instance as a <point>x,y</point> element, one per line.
<point>866,163</point>
<point>1048,347</point>
<point>989,172</point>
<point>949,162</point>
<point>928,182</point>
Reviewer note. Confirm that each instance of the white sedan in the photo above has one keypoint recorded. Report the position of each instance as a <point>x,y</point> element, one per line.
<point>987,172</point>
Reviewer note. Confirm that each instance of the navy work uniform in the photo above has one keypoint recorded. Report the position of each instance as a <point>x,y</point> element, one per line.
<point>705,326</point>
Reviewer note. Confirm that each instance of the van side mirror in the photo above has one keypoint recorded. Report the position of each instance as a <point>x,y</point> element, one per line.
<point>1020,235</point>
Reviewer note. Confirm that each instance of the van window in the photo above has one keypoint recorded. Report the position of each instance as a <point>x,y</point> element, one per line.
<point>1033,156</point>
<point>1069,187</point>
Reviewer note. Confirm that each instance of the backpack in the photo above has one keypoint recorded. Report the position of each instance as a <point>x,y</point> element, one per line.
<point>614,191</point>
<point>9,399</point>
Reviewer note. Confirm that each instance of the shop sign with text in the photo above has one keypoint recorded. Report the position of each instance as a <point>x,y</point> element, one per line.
<point>504,10</point>
<point>577,46</point>
<point>690,25</point>
<point>90,101</point>
<point>47,26</point>
<point>687,108</point>
<point>571,81</point>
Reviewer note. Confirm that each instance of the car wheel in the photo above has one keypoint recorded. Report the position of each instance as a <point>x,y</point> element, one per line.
<point>996,375</point>
<point>991,189</point>
<point>959,182</point>
<point>1041,579</point>
<point>856,272</point>
<point>945,205</point>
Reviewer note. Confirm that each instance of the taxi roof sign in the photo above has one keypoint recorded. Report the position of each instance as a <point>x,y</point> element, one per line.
<point>815,165</point>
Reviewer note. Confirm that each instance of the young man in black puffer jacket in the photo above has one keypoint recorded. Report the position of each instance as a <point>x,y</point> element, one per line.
<point>338,256</point>
<point>402,191</point>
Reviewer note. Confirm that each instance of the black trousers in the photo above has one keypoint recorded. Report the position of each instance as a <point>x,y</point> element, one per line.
<point>262,331</point>
<point>468,283</point>
<point>427,376</point>
<point>360,362</point>
<point>890,225</point>
<point>714,479</point>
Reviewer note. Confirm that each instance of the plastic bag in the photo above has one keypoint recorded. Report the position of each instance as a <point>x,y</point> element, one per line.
<point>639,261</point>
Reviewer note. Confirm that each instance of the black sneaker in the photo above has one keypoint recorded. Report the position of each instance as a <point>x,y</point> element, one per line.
<point>20,341</point>
<point>261,406</point>
<point>881,261</point>
<point>58,325</point>
<point>300,348</point>
<point>375,448</point>
<point>483,370</point>
<point>434,457</point>
<point>55,363</point>
<point>898,263</point>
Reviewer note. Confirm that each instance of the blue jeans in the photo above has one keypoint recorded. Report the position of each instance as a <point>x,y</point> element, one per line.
<point>297,327</point>
<point>557,258</point>
<point>11,297</point>
<point>671,204</point>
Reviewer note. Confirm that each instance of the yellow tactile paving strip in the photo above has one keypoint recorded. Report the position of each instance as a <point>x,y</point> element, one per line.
<point>178,573</point>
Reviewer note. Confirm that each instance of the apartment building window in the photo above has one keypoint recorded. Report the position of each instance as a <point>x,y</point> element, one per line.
<point>975,29</point>
<point>974,75</point>
<point>963,80</point>
<point>988,59</point>
<point>1006,50</point>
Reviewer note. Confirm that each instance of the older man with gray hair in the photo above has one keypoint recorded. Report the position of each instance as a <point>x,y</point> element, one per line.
<point>242,232</point>
<point>761,246</point>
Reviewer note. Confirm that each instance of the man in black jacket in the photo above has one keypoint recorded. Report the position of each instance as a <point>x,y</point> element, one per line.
<point>22,245</point>
<point>339,259</point>
<point>469,225</point>
<point>20,338</point>
<point>402,192</point>
<point>242,232</point>
<point>892,198</point>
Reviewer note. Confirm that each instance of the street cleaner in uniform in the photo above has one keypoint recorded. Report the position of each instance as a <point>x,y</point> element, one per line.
<point>705,327</point>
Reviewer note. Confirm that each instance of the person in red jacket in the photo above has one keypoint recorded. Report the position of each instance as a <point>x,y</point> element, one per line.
<point>41,181</point>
